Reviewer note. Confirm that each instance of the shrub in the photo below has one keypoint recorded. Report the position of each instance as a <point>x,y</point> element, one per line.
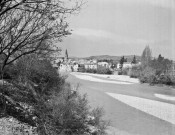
<point>57,110</point>
<point>147,75</point>
<point>172,79</point>
<point>91,70</point>
<point>125,71</point>
<point>165,79</point>
<point>72,115</point>
<point>81,69</point>
<point>98,113</point>
<point>8,72</point>
<point>135,72</point>
<point>120,72</point>
<point>99,70</point>
<point>103,70</point>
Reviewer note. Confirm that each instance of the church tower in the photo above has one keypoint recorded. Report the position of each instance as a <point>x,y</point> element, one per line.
<point>66,56</point>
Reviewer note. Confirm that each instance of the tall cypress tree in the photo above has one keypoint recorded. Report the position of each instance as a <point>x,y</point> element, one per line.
<point>146,56</point>
<point>134,61</point>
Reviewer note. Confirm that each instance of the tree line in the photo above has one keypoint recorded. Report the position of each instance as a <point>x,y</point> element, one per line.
<point>154,70</point>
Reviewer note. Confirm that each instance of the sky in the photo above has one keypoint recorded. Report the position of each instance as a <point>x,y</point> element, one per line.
<point>122,27</point>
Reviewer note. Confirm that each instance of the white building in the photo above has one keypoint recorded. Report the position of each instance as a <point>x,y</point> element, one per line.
<point>75,67</point>
<point>65,68</point>
<point>90,66</point>
<point>128,65</point>
<point>125,65</point>
<point>104,64</point>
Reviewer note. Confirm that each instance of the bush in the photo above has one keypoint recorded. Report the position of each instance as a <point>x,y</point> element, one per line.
<point>147,75</point>
<point>98,113</point>
<point>103,70</point>
<point>135,72</point>
<point>120,72</point>
<point>91,71</point>
<point>81,69</point>
<point>57,110</point>
<point>99,70</point>
<point>71,115</point>
<point>125,71</point>
<point>173,79</point>
<point>165,79</point>
<point>8,72</point>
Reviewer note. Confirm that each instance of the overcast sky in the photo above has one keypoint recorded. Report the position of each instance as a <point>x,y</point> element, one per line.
<point>122,27</point>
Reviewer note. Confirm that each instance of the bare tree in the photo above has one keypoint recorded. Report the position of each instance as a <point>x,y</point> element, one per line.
<point>28,26</point>
<point>31,26</point>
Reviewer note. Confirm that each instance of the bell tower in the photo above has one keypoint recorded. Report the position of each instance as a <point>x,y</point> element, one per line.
<point>66,56</point>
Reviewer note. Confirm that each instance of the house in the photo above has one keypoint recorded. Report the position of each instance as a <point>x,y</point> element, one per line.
<point>65,68</point>
<point>128,65</point>
<point>94,61</point>
<point>104,64</point>
<point>74,67</point>
<point>125,65</point>
<point>81,68</point>
<point>90,66</point>
<point>82,61</point>
<point>63,64</point>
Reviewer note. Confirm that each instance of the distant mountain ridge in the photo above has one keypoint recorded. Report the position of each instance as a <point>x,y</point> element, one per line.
<point>108,57</point>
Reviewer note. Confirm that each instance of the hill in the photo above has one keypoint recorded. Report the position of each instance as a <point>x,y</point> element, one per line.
<point>115,58</point>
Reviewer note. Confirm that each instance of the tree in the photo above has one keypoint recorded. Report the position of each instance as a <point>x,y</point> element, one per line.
<point>122,60</point>
<point>160,58</point>
<point>26,27</point>
<point>134,60</point>
<point>8,5</point>
<point>146,56</point>
<point>161,65</point>
<point>32,26</point>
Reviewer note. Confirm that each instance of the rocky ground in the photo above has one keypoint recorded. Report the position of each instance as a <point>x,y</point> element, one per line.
<point>11,126</point>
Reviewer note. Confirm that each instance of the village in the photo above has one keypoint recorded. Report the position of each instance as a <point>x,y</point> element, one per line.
<point>66,64</point>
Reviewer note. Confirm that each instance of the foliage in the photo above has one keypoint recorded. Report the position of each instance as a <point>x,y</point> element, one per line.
<point>55,107</point>
<point>106,60</point>
<point>122,60</point>
<point>99,70</point>
<point>135,71</point>
<point>31,26</point>
<point>91,71</point>
<point>98,122</point>
<point>147,75</point>
<point>161,65</point>
<point>124,71</point>
<point>146,56</point>
<point>134,61</point>
<point>156,71</point>
<point>172,79</point>
<point>165,79</point>
<point>120,72</point>
<point>103,70</point>
<point>81,68</point>
<point>33,80</point>
<point>8,72</point>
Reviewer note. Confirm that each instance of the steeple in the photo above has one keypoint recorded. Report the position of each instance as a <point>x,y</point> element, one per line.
<point>66,55</point>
